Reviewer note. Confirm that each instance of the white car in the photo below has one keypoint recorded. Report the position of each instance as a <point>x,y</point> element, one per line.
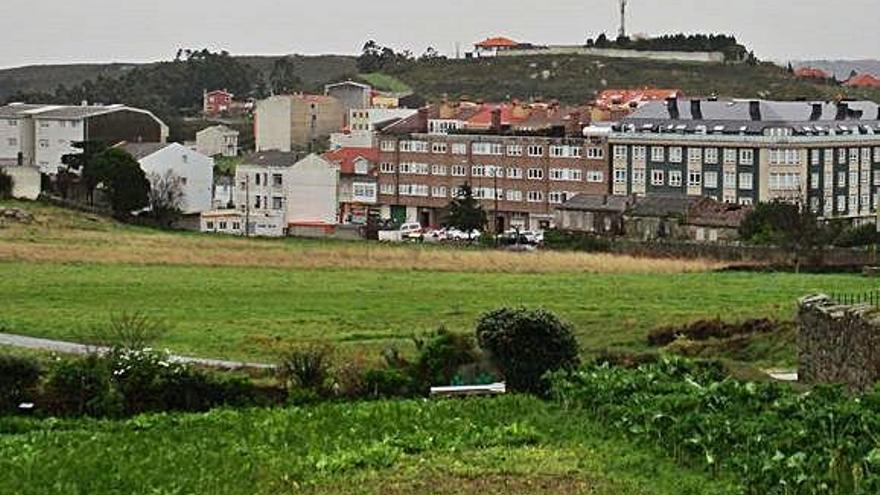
<point>411,230</point>
<point>459,235</point>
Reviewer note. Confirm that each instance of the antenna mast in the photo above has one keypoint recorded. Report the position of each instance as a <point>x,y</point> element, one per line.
<point>622,32</point>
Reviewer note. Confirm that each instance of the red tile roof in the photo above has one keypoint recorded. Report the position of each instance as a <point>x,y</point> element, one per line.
<point>497,42</point>
<point>811,72</point>
<point>626,97</point>
<point>863,81</point>
<point>484,116</point>
<point>346,158</point>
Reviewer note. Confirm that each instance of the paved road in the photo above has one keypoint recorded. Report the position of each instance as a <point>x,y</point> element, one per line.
<point>62,347</point>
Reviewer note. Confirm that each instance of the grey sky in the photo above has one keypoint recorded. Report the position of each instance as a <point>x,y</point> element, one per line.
<point>66,31</point>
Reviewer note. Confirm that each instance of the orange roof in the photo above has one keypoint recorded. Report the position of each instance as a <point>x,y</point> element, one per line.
<point>497,42</point>
<point>626,97</point>
<point>484,116</point>
<point>810,72</point>
<point>863,81</point>
<point>346,157</point>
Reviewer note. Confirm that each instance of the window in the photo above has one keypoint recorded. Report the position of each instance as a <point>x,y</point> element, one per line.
<point>675,154</point>
<point>841,156</point>
<point>459,171</point>
<point>841,179</point>
<point>877,154</point>
<point>675,178</point>
<point>438,169</point>
<point>536,150</point>
<point>595,176</point>
<point>710,180</point>
<point>784,157</point>
<point>477,171</point>
<point>386,188</point>
<point>277,203</point>
<point>210,225</point>
<point>711,155</point>
<point>364,191</point>
<point>729,156</point>
<point>514,173</point>
<point>730,180</point>
<point>657,154</point>
<point>535,196</point>
<point>12,123</point>
<point>438,192</point>
<point>877,177</point>
<point>12,142</point>
<point>695,155</point>
<point>459,148</point>
<point>658,177</point>
<point>514,150</point>
<point>236,225</point>
<point>853,179</point>
<point>785,181</point>
<point>493,171</point>
<point>514,195</point>
<point>558,173</point>
<point>815,178</point>
<point>557,197</point>
<point>44,143</point>
<point>841,203</point>
<point>486,148</point>
<point>695,178</point>
<point>639,153</point>
<point>277,180</point>
<point>44,124</point>
<point>536,174</point>
<point>182,181</point>
<point>414,146</point>
<point>746,181</point>
<point>557,151</point>
<point>620,176</point>
<point>223,225</point>
<point>387,168</point>
<point>638,177</point>
<point>815,157</point>
<point>388,146</point>
<point>746,156</point>
<point>438,148</point>
<point>620,152</point>
<point>594,153</point>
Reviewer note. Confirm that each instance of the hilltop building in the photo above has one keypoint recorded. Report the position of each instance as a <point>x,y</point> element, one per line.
<point>863,81</point>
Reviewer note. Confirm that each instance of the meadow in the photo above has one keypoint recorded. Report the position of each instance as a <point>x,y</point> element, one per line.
<point>66,273</point>
<point>489,446</point>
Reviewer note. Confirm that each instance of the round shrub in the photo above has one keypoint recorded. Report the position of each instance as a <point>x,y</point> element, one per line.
<point>19,377</point>
<point>527,344</point>
<point>82,387</point>
<point>441,356</point>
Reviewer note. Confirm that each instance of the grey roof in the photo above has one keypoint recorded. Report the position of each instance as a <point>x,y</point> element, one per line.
<point>273,158</point>
<point>142,150</point>
<point>662,205</point>
<point>77,112</point>
<point>597,202</point>
<point>16,109</point>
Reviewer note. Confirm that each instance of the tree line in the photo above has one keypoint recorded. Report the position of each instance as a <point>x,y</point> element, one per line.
<point>728,45</point>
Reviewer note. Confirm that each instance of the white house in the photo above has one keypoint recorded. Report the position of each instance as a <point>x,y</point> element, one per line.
<point>195,170</point>
<point>217,140</point>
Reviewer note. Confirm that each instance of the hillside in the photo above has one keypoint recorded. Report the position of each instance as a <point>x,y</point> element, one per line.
<point>842,68</point>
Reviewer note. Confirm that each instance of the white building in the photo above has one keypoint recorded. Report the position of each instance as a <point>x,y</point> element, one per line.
<point>40,135</point>
<point>195,170</point>
<point>290,122</point>
<point>218,140</point>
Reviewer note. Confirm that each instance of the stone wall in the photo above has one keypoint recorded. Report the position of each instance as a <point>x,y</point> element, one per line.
<point>838,344</point>
<point>699,57</point>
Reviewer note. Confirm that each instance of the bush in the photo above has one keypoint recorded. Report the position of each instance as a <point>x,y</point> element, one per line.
<point>575,241</point>
<point>129,330</point>
<point>866,235</point>
<point>83,387</point>
<point>441,356</point>
<point>526,345</point>
<point>387,382</point>
<point>307,367</point>
<point>19,376</point>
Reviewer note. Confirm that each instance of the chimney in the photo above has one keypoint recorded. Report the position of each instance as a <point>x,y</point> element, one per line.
<point>672,107</point>
<point>696,109</point>
<point>496,120</point>
<point>423,119</point>
<point>842,111</point>
<point>755,110</point>
<point>817,112</point>
<point>574,124</point>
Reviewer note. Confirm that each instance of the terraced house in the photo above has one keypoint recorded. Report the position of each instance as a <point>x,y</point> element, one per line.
<point>522,161</point>
<point>822,154</point>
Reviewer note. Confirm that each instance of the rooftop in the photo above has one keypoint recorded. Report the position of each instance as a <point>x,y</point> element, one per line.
<point>497,42</point>
<point>273,158</point>
<point>346,158</point>
<point>141,150</point>
<point>863,81</point>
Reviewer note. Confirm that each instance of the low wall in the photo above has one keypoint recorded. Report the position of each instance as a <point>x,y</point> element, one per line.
<point>838,344</point>
<point>701,57</point>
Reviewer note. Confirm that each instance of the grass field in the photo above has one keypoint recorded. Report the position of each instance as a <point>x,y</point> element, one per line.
<point>67,273</point>
<point>493,446</point>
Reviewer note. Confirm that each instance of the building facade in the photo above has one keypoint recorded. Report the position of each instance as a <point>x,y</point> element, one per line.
<point>823,155</point>
<point>193,170</point>
<point>290,122</point>
<point>216,102</point>
<point>358,184</point>
<point>352,95</point>
<point>218,140</point>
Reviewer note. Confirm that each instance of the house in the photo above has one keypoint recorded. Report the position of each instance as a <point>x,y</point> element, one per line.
<point>40,135</point>
<point>358,184</point>
<point>216,102</point>
<point>594,213</point>
<point>218,140</point>
<point>492,46</point>
<point>296,122</point>
<point>712,221</point>
<point>224,192</point>
<point>811,73</point>
<point>863,81</point>
<point>352,95</point>
<point>229,222</point>
<point>194,170</point>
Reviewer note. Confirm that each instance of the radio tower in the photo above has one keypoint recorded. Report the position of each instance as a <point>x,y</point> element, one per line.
<point>622,32</point>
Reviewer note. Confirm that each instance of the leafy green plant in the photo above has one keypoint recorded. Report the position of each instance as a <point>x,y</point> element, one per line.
<point>526,345</point>
<point>83,387</point>
<point>19,376</point>
<point>307,367</point>
<point>440,356</point>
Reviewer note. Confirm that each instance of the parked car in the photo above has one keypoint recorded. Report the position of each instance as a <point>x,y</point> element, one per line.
<point>412,231</point>
<point>459,235</point>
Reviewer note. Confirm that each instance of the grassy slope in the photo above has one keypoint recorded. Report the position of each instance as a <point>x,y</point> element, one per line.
<point>384,82</point>
<point>364,296</point>
<point>490,446</point>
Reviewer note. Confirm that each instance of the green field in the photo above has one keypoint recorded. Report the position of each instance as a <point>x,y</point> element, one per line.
<point>234,312</point>
<point>495,446</point>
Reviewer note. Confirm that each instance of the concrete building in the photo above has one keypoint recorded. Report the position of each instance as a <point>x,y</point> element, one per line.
<point>296,122</point>
<point>352,95</point>
<point>194,170</point>
<point>822,154</point>
<point>358,184</point>
<point>40,135</point>
<point>520,164</point>
<point>218,140</point>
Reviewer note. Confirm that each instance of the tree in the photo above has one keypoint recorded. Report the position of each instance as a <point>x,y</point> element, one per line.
<point>125,184</point>
<point>165,197</point>
<point>788,226</point>
<point>465,212</point>
<point>283,79</point>
<point>5,185</point>
<point>527,344</point>
<point>86,164</point>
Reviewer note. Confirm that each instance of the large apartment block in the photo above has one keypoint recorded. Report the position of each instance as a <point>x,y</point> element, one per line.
<point>40,135</point>
<point>519,176</point>
<point>824,155</point>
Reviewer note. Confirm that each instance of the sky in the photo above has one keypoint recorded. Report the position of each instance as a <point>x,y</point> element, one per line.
<point>71,31</point>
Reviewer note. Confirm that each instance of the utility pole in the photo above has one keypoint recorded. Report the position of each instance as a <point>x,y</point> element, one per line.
<point>247,203</point>
<point>622,33</point>
<point>496,170</point>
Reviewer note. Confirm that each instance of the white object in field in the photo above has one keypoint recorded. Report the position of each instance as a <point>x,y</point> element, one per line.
<point>390,236</point>
<point>493,389</point>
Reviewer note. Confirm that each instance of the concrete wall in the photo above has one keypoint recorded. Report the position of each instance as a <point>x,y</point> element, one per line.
<point>701,57</point>
<point>838,344</point>
<point>312,192</point>
<point>217,140</point>
<point>195,168</point>
<point>12,138</point>
<point>25,181</point>
<point>273,125</point>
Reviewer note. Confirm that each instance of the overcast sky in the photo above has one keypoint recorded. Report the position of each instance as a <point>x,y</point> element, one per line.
<point>66,31</point>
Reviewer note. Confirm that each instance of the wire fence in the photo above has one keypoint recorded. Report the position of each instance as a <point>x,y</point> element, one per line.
<point>871,298</point>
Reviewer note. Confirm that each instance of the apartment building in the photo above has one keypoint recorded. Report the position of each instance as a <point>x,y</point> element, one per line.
<point>40,135</point>
<point>520,171</point>
<point>218,140</point>
<point>193,170</point>
<point>822,154</point>
<point>358,187</point>
<point>290,122</point>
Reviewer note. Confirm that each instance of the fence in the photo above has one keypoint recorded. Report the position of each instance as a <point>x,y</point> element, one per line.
<point>871,298</point>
